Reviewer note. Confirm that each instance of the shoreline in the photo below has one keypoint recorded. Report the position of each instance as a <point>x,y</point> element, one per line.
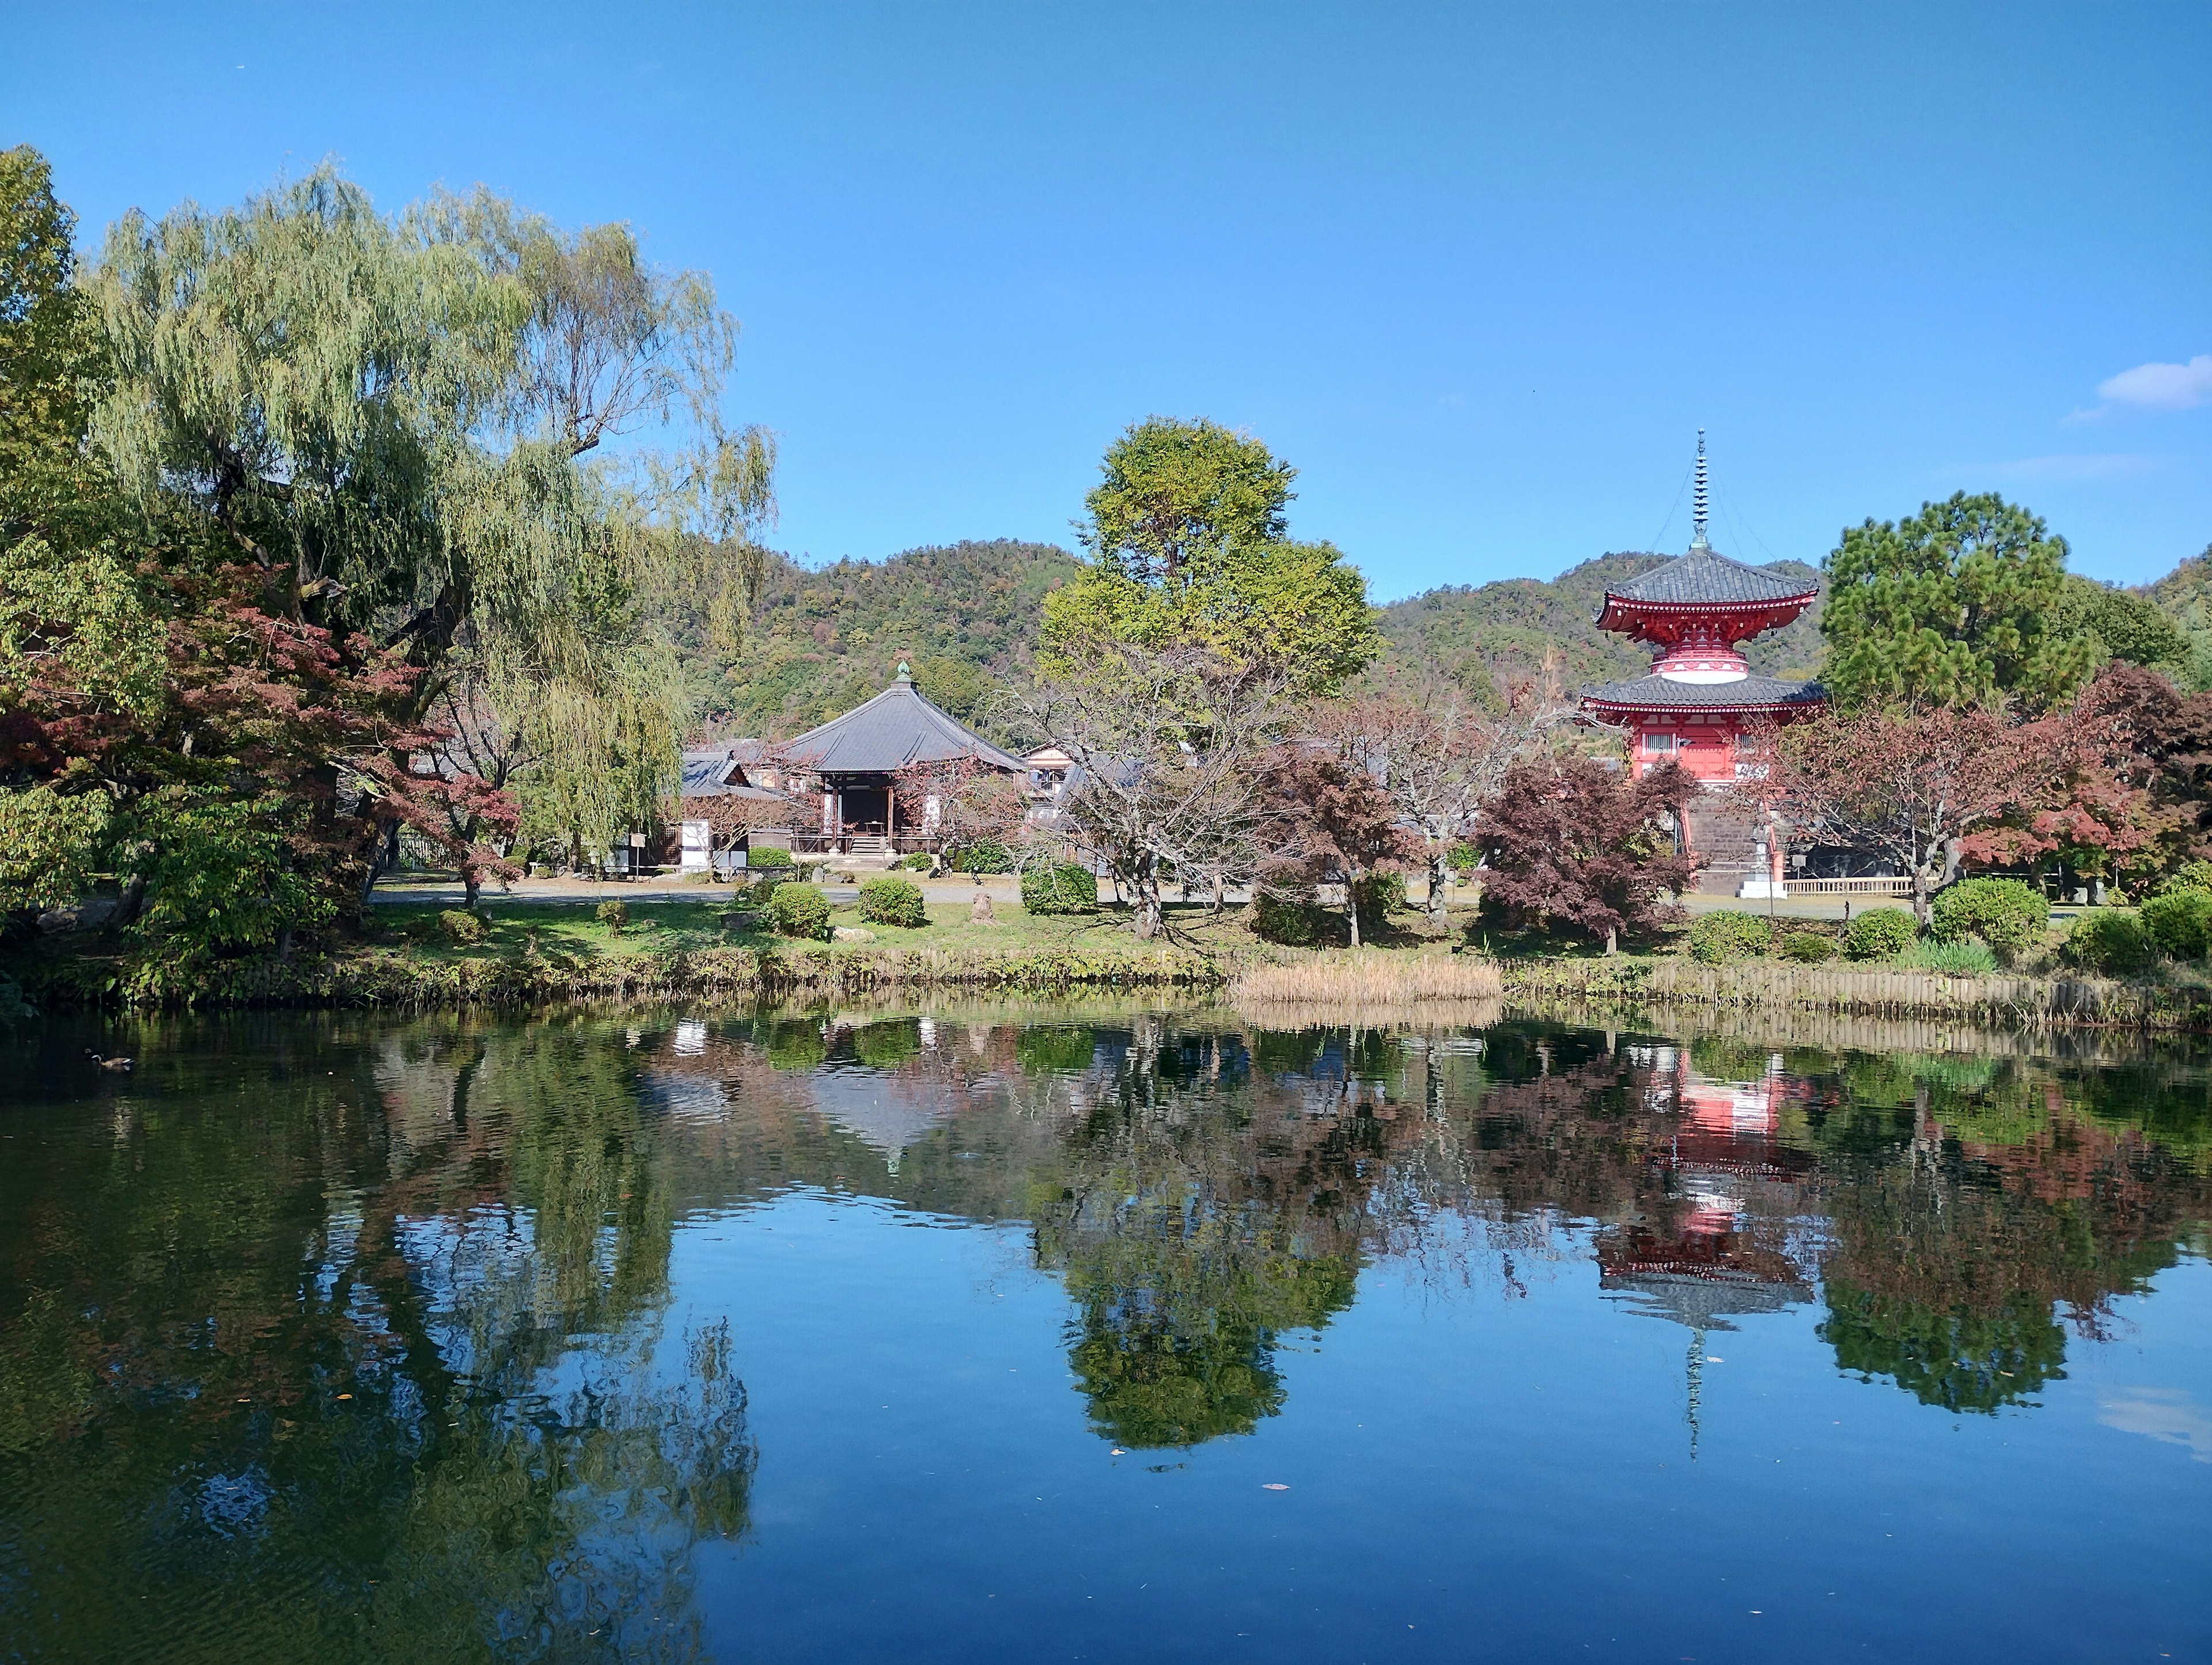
<point>394,979</point>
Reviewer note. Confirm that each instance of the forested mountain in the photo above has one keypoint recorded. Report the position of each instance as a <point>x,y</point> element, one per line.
<point>965,616</point>
<point>2185,595</point>
<point>1477,635</point>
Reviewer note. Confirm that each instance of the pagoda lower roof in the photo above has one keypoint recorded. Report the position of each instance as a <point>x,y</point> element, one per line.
<point>1747,694</point>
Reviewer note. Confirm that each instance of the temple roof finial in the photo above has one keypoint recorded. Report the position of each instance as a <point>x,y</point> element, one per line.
<point>905,674</point>
<point>1698,502</point>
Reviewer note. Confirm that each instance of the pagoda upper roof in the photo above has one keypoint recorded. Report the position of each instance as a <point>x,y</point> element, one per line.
<point>1657,693</point>
<point>1706,578</point>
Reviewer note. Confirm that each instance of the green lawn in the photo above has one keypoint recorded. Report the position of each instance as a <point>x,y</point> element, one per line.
<point>572,929</point>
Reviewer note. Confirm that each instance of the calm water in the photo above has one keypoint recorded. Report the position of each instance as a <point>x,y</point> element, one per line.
<point>1102,1335</point>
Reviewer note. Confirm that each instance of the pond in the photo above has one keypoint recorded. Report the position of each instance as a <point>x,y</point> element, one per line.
<point>1099,1332</point>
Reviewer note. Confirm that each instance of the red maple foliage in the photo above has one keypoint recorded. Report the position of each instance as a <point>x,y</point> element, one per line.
<point>1332,819</point>
<point>1568,841</point>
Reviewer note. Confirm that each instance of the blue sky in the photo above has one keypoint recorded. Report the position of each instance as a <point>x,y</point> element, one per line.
<point>1478,273</point>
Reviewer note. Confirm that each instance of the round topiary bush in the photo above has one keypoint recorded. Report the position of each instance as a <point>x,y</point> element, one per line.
<point>1880,933</point>
<point>1377,896</point>
<point>981,856</point>
<point>464,928</point>
<point>2190,876</point>
<point>800,910</point>
<point>917,863</point>
<point>2114,944</point>
<point>2004,913</point>
<point>1052,887</point>
<point>887,901</point>
<point>767,856</point>
<point>2180,922</point>
<point>1729,934</point>
<point>1293,921</point>
<point>612,915</point>
<point>1808,948</point>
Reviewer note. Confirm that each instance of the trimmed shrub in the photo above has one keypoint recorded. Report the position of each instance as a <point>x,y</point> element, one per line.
<point>916,863</point>
<point>2180,922</point>
<point>2190,876</point>
<point>800,910</point>
<point>1377,896</point>
<point>887,901</point>
<point>1293,921</point>
<point>1808,948</point>
<point>1729,934</point>
<point>464,928</point>
<point>612,915</point>
<point>2004,913</point>
<point>1462,859</point>
<point>984,855</point>
<point>1052,887</point>
<point>1880,933</point>
<point>2112,943</point>
<point>1969,958</point>
<point>767,856</point>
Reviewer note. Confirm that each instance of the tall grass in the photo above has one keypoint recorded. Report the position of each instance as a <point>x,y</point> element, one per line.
<point>1369,979</point>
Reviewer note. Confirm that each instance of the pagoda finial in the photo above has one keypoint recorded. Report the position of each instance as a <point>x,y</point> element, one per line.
<point>1698,502</point>
<point>905,674</point>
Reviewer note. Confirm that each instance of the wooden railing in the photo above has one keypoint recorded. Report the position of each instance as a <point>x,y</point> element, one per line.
<point>1848,887</point>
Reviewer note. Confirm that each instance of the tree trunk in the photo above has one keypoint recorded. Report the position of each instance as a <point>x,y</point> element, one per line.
<point>1612,941</point>
<point>1352,904</point>
<point>1437,913</point>
<point>1920,906</point>
<point>471,888</point>
<point>1144,893</point>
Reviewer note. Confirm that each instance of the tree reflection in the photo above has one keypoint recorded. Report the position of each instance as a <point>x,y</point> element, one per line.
<point>350,1352</point>
<point>2001,1217</point>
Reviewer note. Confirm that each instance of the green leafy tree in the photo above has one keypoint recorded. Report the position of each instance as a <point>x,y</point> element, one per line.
<point>1189,548</point>
<point>2127,627</point>
<point>1957,605</point>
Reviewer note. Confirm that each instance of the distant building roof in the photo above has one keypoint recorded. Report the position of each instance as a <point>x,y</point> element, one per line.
<point>1706,578</point>
<point>1657,693</point>
<point>718,771</point>
<point>896,728</point>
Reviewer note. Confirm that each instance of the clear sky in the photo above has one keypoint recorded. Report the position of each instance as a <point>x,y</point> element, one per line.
<point>1480,273</point>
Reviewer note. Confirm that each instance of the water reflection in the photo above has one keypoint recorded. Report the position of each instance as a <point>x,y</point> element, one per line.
<point>339,1339</point>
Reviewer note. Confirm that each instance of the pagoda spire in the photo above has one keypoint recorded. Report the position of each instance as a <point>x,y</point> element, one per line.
<point>1699,501</point>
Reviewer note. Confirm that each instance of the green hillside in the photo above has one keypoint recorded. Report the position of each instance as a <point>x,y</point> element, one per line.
<point>2185,595</point>
<point>965,616</point>
<point>1477,635</point>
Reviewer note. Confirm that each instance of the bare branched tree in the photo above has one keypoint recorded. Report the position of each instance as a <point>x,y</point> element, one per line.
<point>1172,745</point>
<point>1440,759</point>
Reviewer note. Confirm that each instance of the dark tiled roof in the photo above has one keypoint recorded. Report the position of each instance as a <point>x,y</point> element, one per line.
<point>1746,694</point>
<point>1704,576</point>
<point>708,772</point>
<point>719,771</point>
<point>896,728</point>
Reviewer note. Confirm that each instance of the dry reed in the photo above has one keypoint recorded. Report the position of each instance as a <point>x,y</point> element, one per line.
<point>1369,981</point>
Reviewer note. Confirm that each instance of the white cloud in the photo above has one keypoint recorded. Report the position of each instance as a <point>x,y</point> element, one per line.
<point>2166,1414</point>
<point>2161,386</point>
<point>2156,387</point>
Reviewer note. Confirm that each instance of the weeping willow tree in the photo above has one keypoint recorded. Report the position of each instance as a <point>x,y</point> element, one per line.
<point>427,442</point>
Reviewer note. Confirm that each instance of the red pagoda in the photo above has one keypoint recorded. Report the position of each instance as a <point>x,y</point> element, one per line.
<point>1701,694</point>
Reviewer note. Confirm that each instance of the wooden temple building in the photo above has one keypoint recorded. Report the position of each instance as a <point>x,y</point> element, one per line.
<point>1701,694</point>
<point>833,788</point>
